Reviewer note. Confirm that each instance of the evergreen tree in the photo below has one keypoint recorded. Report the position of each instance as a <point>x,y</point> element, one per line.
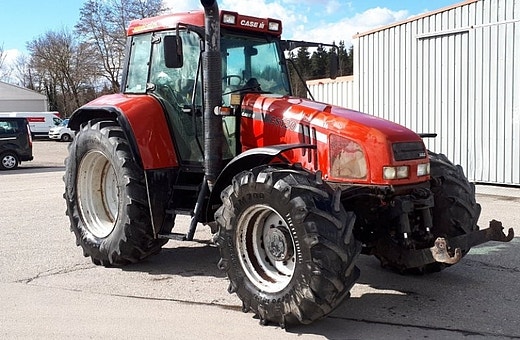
<point>320,63</point>
<point>345,60</point>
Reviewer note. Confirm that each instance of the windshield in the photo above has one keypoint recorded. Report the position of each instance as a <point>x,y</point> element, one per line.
<point>252,63</point>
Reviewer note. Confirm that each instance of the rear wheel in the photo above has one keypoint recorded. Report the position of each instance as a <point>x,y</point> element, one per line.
<point>106,197</point>
<point>288,254</point>
<point>8,161</point>
<point>456,211</point>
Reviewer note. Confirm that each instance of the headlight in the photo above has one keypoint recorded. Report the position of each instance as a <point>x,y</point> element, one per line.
<point>229,19</point>
<point>395,172</point>
<point>347,159</point>
<point>423,169</point>
<point>274,26</point>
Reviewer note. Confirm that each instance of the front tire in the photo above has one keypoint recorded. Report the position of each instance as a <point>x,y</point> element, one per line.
<point>288,254</point>
<point>456,211</point>
<point>66,137</point>
<point>106,197</point>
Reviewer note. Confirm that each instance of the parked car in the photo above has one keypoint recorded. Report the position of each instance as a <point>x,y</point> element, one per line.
<point>15,142</point>
<point>39,122</point>
<point>62,132</point>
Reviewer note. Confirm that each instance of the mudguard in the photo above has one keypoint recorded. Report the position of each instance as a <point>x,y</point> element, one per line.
<point>246,160</point>
<point>144,124</point>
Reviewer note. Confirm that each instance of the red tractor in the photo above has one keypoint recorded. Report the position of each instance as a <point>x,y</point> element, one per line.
<point>293,189</point>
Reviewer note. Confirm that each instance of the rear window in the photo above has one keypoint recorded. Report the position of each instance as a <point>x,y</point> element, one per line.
<point>9,127</point>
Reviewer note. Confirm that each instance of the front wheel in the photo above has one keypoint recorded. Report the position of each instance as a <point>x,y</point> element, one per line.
<point>456,211</point>
<point>106,197</point>
<point>288,253</point>
<point>66,137</point>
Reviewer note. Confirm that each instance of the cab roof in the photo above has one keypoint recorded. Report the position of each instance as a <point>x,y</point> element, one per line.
<point>196,18</point>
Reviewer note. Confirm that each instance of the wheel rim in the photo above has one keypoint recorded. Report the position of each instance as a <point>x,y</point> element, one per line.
<point>65,138</point>
<point>9,161</point>
<point>98,194</point>
<point>266,248</point>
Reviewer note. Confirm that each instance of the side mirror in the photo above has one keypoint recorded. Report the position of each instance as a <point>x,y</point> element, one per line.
<point>334,65</point>
<point>250,51</point>
<point>173,51</point>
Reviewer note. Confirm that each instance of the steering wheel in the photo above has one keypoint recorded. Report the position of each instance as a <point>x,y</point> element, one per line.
<point>228,78</point>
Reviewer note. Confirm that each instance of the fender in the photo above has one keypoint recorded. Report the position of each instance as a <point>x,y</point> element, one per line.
<point>143,122</point>
<point>246,160</point>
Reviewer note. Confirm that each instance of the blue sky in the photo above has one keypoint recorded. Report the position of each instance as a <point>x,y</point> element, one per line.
<point>313,20</point>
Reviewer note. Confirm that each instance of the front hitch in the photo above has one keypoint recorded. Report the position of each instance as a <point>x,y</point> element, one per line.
<point>414,258</point>
<point>495,232</point>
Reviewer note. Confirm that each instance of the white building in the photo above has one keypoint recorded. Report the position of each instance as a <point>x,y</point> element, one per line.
<point>18,99</point>
<point>454,71</point>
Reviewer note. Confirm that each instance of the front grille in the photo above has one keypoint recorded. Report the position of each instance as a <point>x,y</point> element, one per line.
<point>408,150</point>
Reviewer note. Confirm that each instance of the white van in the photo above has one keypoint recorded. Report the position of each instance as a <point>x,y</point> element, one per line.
<point>39,122</point>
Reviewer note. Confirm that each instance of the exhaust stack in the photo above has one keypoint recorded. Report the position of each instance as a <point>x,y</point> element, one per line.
<point>212,73</point>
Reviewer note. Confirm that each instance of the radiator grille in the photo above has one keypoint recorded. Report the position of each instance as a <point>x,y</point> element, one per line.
<point>408,150</point>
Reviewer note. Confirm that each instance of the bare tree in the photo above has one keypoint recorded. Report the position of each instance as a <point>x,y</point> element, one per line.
<point>103,24</point>
<point>23,73</point>
<point>4,69</point>
<point>2,57</point>
<point>61,68</point>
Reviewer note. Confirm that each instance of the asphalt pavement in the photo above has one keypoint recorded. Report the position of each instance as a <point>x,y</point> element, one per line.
<point>48,290</point>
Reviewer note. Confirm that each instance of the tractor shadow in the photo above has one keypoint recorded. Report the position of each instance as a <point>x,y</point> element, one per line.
<point>182,258</point>
<point>476,297</point>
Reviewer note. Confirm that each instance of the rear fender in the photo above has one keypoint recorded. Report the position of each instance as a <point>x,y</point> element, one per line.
<point>247,160</point>
<point>143,121</point>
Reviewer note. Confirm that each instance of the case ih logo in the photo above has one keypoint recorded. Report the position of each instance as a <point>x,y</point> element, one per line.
<point>252,23</point>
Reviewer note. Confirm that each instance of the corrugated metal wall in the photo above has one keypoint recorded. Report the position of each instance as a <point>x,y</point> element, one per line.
<point>339,91</point>
<point>455,72</point>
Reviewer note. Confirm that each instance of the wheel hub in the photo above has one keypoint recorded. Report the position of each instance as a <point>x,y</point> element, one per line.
<point>279,243</point>
<point>9,162</point>
<point>265,248</point>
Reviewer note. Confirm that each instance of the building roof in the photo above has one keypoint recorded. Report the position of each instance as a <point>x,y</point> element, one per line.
<point>427,14</point>
<point>13,92</point>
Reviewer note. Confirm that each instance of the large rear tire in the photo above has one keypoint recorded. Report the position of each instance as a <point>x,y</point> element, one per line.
<point>106,197</point>
<point>456,211</point>
<point>289,255</point>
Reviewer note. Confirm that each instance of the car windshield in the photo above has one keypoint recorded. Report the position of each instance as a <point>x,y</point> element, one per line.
<point>64,122</point>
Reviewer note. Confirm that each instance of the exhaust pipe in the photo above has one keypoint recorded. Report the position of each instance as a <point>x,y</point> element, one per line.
<point>212,73</point>
<point>213,133</point>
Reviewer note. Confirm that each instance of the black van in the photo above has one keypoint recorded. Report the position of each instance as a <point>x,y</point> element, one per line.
<point>15,142</point>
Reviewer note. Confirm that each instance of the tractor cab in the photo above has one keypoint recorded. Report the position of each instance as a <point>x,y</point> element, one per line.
<point>167,64</point>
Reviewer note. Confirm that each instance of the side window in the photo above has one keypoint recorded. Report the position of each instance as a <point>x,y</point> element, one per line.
<point>3,126</point>
<point>138,64</point>
<point>8,127</point>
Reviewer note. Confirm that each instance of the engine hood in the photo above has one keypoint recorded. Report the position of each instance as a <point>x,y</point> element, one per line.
<point>283,119</point>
